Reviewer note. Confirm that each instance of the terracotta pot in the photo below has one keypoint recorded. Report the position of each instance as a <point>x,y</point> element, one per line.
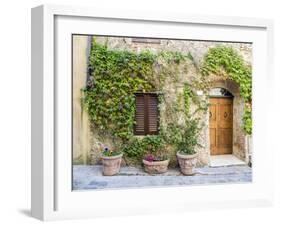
<point>111,164</point>
<point>187,163</point>
<point>156,167</point>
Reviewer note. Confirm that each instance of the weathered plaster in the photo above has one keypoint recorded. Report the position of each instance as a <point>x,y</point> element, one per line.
<point>81,125</point>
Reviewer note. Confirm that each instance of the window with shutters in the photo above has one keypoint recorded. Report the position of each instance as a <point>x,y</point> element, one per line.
<point>146,116</point>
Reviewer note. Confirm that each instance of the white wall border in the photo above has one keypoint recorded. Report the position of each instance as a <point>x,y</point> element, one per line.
<point>44,123</point>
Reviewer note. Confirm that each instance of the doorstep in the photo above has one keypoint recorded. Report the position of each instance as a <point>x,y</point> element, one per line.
<point>225,160</point>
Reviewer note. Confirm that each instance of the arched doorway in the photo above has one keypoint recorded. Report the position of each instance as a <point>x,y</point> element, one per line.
<point>221,121</point>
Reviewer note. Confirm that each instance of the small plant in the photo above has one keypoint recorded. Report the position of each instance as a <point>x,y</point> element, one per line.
<point>153,158</point>
<point>106,151</point>
<point>134,148</point>
<point>139,147</point>
<point>111,160</point>
<point>154,144</point>
<point>189,137</point>
<point>156,161</point>
<point>186,143</point>
<point>185,138</point>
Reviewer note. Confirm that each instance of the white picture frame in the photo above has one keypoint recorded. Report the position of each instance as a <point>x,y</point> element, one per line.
<point>52,197</point>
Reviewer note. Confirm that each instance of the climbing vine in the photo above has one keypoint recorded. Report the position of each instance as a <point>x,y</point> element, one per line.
<point>188,94</point>
<point>183,133</point>
<point>109,96</point>
<point>191,97</point>
<point>226,62</point>
<point>115,76</point>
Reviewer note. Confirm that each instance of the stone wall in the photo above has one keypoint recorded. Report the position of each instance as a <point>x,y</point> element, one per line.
<point>86,142</point>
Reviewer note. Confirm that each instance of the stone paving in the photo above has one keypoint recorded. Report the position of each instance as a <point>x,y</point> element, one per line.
<point>90,177</point>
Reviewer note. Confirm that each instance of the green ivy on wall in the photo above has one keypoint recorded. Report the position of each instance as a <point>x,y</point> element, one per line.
<point>247,120</point>
<point>188,94</point>
<point>226,62</point>
<point>109,96</point>
<point>183,132</point>
<point>116,76</point>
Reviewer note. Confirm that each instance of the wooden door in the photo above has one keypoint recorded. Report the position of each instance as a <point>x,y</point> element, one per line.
<point>221,125</point>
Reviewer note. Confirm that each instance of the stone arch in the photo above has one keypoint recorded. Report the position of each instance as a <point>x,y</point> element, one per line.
<point>228,84</point>
<point>239,136</point>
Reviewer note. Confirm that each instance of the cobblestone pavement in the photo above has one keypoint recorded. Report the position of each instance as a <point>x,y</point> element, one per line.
<point>90,177</point>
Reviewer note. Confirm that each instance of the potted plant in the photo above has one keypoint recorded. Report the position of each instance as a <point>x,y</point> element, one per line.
<point>188,141</point>
<point>155,164</point>
<point>155,161</point>
<point>111,161</point>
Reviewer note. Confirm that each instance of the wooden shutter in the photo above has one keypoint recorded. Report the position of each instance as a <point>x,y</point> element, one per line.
<point>139,117</point>
<point>152,105</point>
<point>146,114</point>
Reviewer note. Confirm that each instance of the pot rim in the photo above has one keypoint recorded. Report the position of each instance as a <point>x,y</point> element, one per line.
<point>163,162</point>
<point>187,156</point>
<point>112,157</point>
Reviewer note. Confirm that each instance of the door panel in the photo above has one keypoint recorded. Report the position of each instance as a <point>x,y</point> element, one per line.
<point>221,125</point>
<point>213,138</point>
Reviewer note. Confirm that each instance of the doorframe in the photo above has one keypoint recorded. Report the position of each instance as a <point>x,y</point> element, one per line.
<point>239,138</point>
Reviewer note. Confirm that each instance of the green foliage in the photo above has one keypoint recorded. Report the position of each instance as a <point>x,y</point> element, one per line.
<point>174,56</point>
<point>189,137</point>
<point>184,136</point>
<point>109,96</point>
<point>111,152</point>
<point>116,76</point>
<point>247,120</point>
<point>134,148</point>
<point>191,97</point>
<point>153,143</point>
<point>226,62</point>
<point>187,94</point>
<point>137,147</point>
